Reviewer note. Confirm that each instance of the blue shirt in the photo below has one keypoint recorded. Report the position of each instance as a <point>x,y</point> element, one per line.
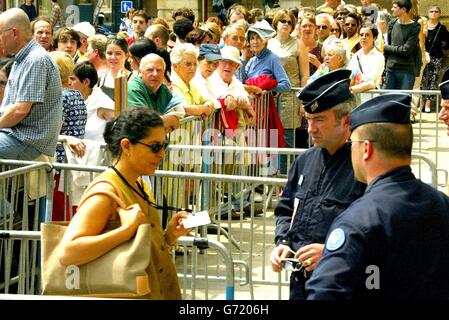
<point>266,62</point>
<point>35,78</point>
<point>396,233</point>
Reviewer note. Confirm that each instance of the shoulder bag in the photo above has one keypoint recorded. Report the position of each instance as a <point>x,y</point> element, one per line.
<point>121,272</point>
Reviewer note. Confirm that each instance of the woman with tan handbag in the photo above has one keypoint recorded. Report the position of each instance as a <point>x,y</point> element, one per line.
<point>136,139</point>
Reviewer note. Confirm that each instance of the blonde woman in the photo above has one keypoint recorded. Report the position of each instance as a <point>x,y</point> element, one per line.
<point>73,126</point>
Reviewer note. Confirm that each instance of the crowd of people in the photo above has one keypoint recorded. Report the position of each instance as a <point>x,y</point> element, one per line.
<point>58,83</point>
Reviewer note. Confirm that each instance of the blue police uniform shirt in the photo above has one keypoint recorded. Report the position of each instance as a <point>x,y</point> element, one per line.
<point>319,188</point>
<point>392,243</point>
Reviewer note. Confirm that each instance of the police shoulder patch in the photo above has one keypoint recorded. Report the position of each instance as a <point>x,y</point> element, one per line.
<point>335,240</point>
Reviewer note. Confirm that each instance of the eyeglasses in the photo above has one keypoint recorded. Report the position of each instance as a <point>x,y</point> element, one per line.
<point>322,27</point>
<point>155,147</point>
<point>190,64</point>
<point>283,21</point>
<point>350,142</point>
<point>350,24</point>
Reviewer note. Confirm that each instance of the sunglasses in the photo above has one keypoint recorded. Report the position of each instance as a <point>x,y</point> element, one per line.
<point>155,147</point>
<point>119,39</point>
<point>322,27</point>
<point>283,21</point>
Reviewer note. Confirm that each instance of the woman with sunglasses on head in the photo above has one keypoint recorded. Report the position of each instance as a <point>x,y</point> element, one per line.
<point>116,58</point>
<point>136,139</point>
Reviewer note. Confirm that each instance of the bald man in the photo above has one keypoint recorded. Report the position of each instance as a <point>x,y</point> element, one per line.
<point>148,89</point>
<point>31,112</point>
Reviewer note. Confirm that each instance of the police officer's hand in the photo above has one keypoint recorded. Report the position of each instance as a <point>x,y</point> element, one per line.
<point>280,252</point>
<point>309,255</point>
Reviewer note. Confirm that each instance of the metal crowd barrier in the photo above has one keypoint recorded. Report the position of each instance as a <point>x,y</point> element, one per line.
<point>187,242</point>
<point>426,127</point>
<point>248,240</point>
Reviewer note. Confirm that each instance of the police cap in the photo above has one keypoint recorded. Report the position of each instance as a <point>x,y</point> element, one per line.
<point>392,107</point>
<point>326,91</point>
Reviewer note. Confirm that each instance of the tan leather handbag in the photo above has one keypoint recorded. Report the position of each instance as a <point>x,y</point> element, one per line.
<point>121,272</point>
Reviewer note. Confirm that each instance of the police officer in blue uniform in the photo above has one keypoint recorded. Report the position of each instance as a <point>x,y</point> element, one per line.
<point>392,243</point>
<point>321,181</point>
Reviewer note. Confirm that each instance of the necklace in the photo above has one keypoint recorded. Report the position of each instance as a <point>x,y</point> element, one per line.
<point>145,196</point>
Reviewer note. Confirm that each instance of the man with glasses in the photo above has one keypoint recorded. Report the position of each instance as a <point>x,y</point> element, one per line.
<point>320,182</point>
<point>402,53</point>
<point>351,26</point>
<point>393,242</point>
<point>323,28</point>
<point>31,111</point>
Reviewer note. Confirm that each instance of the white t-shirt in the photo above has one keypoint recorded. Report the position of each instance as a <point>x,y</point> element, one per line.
<point>95,125</point>
<point>372,64</point>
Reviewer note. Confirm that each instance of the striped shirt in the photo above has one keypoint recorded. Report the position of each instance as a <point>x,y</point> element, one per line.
<point>35,78</point>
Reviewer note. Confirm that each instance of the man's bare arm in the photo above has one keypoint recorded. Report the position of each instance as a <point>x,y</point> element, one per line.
<point>15,114</point>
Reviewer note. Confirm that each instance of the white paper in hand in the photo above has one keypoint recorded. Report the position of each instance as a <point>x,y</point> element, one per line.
<point>196,219</point>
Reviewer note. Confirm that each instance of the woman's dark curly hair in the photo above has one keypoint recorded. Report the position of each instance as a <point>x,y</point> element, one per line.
<point>135,123</point>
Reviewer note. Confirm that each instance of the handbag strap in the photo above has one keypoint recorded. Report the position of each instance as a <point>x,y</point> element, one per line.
<point>435,38</point>
<point>117,197</point>
<point>360,65</point>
